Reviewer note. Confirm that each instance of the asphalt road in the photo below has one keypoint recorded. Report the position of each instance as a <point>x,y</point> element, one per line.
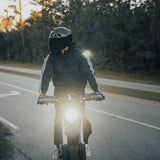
<point>123,128</point>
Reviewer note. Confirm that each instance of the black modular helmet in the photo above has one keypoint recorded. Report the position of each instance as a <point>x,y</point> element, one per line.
<point>59,38</point>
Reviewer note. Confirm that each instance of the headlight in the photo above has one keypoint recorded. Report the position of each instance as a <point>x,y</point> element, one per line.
<point>71,115</point>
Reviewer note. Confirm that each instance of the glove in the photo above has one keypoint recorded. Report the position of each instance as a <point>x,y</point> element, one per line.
<point>38,101</point>
<point>100,93</point>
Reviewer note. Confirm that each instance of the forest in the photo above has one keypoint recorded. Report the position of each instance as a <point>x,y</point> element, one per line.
<point>120,34</point>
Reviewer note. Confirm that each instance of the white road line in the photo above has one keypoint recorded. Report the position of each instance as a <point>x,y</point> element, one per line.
<point>8,123</point>
<point>99,111</point>
<point>12,93</point>
<point>127,119</point>
<point>18,88</point>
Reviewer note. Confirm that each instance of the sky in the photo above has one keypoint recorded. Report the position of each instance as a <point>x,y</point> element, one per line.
<point>26,7</point>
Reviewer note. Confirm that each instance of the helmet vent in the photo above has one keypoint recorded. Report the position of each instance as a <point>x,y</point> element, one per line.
<point>58,36</point>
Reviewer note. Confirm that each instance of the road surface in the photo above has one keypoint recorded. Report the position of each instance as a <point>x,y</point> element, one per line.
<point>123,128</point>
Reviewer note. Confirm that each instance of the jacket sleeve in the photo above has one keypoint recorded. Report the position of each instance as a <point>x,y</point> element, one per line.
<point>46,74</point>
<point>88,71</point>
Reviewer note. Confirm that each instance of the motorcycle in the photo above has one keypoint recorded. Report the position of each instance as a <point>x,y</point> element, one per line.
<point>73,146</point>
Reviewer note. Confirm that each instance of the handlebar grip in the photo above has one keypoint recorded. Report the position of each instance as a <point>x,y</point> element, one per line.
<point>95,97</point>
<point>46,100</point>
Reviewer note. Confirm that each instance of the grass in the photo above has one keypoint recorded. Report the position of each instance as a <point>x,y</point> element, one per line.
<point>21,65</point>
<point>6,148</point>
<point>146,95</point>
<point>135,76</point>
<point>29,75</point>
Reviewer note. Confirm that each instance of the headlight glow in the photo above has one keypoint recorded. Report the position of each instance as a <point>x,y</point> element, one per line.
<point>71,115</point>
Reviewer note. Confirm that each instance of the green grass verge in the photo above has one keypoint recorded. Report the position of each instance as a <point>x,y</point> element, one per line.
<point>134,76</point>
<point>147,95</point>
<point>6,148</point>
<point>29,75</point>
<point>141,94</point>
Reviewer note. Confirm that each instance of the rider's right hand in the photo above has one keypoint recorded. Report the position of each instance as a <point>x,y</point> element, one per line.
<point>38,101</point>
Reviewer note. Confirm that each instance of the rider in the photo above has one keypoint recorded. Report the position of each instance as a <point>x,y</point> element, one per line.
<point>70,70</point>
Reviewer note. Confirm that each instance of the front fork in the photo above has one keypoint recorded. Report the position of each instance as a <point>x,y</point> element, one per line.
<point>81,134</point>
<point>65,138</point>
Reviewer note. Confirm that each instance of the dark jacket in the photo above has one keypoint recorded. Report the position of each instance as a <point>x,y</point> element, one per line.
<point>70,70</point>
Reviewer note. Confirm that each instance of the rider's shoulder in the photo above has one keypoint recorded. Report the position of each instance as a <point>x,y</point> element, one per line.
<point>74,49</point>
<point>49,58</point>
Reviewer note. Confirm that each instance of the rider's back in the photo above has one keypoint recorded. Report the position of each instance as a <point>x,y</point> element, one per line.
<point>67,70</point>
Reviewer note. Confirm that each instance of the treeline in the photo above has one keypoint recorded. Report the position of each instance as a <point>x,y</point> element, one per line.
<point>121,34</point>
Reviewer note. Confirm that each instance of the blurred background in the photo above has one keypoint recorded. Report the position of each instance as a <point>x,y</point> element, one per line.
<point>121,35</point>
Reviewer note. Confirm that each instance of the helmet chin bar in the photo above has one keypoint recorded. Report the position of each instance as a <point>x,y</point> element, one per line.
<point>57,45</point>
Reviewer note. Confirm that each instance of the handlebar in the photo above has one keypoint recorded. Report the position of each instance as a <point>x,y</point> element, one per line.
<point>47,99</point>
<point>52,99</point>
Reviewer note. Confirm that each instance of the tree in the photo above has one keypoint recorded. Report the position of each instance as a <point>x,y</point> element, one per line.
<point>6,22</point>
<point>122,35</point>
<point>22,24</point>
<point>3,53</point>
